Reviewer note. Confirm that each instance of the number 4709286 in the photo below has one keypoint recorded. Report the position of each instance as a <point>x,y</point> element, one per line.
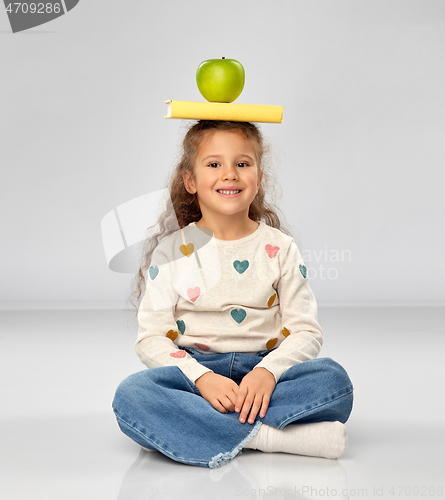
<point>34,8</point>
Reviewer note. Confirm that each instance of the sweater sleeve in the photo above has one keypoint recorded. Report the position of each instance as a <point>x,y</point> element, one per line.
<point>298,309</point>
<point>157,326</point>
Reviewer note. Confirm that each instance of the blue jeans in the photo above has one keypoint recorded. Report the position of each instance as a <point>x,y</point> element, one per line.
<point>162,409</point>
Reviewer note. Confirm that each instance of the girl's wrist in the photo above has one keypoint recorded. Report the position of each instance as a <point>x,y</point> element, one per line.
<point>199,379</point>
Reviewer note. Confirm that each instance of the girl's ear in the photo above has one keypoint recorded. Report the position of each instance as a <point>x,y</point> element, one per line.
<point>188,182</point>
<point>259,180</point>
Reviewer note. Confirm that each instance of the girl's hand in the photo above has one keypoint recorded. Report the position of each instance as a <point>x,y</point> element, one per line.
<point>254,393</point>
<point>219,391</point>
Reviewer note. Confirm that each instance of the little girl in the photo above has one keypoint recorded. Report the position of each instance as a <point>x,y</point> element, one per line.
<point>228,323</point>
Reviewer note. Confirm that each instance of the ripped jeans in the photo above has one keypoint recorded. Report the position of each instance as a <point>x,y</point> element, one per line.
<point>162,409</point>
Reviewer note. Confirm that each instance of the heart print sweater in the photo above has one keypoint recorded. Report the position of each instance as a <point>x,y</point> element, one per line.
<point>248,295</point>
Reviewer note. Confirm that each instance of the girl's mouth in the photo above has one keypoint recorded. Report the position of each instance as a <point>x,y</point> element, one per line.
<point>228,193</point>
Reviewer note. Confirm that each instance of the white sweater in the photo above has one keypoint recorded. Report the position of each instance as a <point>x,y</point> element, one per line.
<point>246,295</point>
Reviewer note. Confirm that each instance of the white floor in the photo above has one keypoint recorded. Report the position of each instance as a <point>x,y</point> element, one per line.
<point>59,439</point>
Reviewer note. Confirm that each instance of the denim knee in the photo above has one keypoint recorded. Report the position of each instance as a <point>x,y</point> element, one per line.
<point>338,377</point>
<point>129,390</point>
<point>122,393</point>
<point>337,380</point>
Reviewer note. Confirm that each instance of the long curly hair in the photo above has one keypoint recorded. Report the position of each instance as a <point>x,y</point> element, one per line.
<point>184,208</point>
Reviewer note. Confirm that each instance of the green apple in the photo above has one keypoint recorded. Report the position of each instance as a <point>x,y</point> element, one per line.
<point>220,80</point>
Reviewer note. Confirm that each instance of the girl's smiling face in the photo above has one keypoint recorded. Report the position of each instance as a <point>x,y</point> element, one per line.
<point>225,161</point>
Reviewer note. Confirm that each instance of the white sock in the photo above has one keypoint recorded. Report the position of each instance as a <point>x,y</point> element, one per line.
<point>321,439</point>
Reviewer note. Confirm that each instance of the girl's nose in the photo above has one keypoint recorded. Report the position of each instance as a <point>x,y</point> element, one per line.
<point>230,173</point>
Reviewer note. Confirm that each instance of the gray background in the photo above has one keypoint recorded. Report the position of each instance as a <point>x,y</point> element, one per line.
<point>359,155</point>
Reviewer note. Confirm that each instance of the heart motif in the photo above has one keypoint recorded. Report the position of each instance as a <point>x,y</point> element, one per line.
<point>303,271</point>
<point>172,335</point>
<point>285,332</point>
<point>178,354</point>
<point>271,300</point>
<point>153,272</point>
<point>181,326</point>
<point>238,315</point>
<point>187,250</point>
<point>203,347</point>
<point>271,343</point>
<point>193,293</point>
<point>271,251</point>
<point>241,266</point>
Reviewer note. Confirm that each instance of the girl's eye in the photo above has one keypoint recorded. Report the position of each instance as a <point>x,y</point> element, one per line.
<point>239,164</point>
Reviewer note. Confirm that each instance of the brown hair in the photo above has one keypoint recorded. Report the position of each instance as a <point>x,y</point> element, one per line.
<point>185,205</point>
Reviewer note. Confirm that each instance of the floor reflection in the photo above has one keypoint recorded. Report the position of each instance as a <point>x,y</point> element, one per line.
<point>252,474</point>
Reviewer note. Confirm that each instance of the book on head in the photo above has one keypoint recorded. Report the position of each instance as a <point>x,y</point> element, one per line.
<point>189,110</point>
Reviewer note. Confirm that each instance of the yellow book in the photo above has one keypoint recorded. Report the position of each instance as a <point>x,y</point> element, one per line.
<point>261,113</point>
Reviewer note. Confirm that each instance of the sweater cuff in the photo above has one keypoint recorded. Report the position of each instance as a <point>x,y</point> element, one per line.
<point>276,369</point>
<point>194,371</point>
